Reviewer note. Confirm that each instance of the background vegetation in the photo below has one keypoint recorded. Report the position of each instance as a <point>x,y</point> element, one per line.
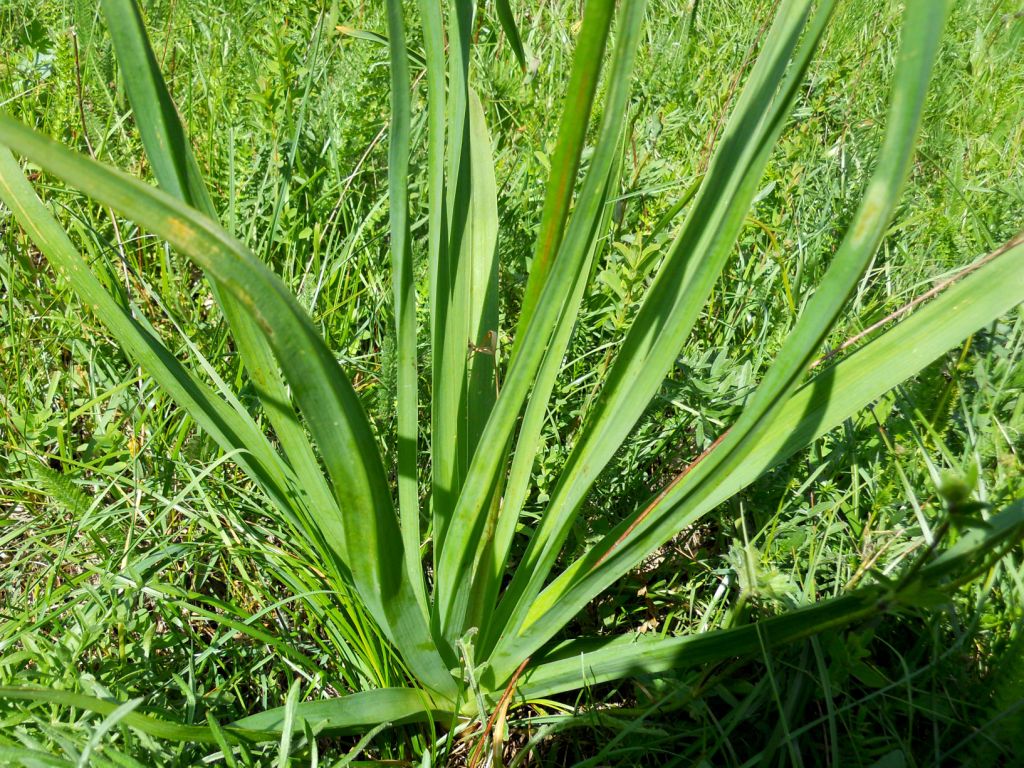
<point>137,562</point>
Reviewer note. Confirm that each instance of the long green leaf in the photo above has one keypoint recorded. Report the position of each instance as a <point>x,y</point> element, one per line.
<point>830,398</point>
<point>355,713</point>
<point>579,663</point>
<point>177,172</point>
<point>465,384</point>
<point>154,726</point>
<point>681,288</point>
<point>413,57</point>
<point>588,223</point>
<point>480,271</point>
<point>404,293</point>
<point>922,30</point>
<point>332,409</point>
<point>163,135</point>
<point>451,305</point>
<point>472,325</point>
<point>508,23</point>
<point>466,543</point>
<point>231,428</point>
<point>498,536</point>
<point>565,164</point>
<point>433,46</point>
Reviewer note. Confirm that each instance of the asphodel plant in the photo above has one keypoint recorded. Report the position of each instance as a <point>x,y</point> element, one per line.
<point>430,562</point>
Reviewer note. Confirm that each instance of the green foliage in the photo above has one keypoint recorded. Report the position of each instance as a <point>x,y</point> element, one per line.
<point>450,595</point>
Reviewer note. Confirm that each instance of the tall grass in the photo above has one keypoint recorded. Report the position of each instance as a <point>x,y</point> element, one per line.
<point>478,621</point>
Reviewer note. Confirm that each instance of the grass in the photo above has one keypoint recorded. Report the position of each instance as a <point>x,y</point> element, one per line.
<point>139,561</point>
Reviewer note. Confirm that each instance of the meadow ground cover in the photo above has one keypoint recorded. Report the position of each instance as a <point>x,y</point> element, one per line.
<point>178,588</point>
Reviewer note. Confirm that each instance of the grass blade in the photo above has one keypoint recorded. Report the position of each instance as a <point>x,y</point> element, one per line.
<point>31,758</point>
<point>363,743</point>
<point>412,57</point>
<point>232,429</point>
<point>104,727</point>
<point>565,164</point>
<point>681,288</point>
<point>830,398</point>
<point>333,411</point>
<point>404,298</point>
<point>603,660</point>
<point>508,23</point>
<point>288,726</point>
<point>170,154</point>
<point>355,713</point>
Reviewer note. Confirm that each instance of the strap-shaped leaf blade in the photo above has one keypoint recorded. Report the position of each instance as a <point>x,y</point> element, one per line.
<point>170,154</point>
<point>449,458</point>
<point>589,662</point>
<point>450,466</point>
<point>921,32</point>
<point>466,543</point>
<point>481,274</point>
<point>331,408</point>
<point>404,299</point>
<point>496,543</point>
<point>232,428</point>
<point>163,135</point>
<point>144,723</point>
<point>508,23</point>
<point>922,29</point>
<point>465,389</point>
<point>355,713</point>
<point>565,164</point>
<point>827,400</point>
<point>680,289</point>
<point>437,250</point>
